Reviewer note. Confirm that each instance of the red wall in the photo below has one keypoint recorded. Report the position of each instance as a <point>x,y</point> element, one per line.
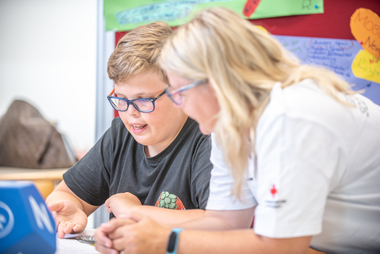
<point>333,23</point>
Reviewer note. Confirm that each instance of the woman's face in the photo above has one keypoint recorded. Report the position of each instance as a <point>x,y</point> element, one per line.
<point>156,129</point>
<point>199,103</point>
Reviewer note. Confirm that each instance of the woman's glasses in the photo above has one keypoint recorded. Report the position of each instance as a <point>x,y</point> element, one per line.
<point>175,95</point>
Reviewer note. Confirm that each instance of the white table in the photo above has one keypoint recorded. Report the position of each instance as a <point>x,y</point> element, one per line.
<point>70,245</point>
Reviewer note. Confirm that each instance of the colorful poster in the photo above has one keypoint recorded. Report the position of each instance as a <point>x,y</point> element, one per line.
<point>123,15</point>
<point>338,56</point>
<point>365,26</point>
<point>366,66</point>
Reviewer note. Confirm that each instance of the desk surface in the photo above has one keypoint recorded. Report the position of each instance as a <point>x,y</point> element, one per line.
<point>8,173</point>
<point>70,245</point>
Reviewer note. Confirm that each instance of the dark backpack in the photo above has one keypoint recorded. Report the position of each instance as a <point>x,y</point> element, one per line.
<point>27,140</point>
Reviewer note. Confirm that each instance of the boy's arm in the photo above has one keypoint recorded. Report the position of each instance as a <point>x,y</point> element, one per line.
<point>125,203</point>
<point>62,192</point>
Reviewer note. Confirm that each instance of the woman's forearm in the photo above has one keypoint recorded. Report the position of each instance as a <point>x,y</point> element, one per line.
<point>169,217</point>
<point>238,241</point>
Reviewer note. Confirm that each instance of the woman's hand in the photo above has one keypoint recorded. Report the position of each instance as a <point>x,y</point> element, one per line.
<point>69,218</point>
<point>144,235</point>
<point>103,243</point>
<point>122,203</point>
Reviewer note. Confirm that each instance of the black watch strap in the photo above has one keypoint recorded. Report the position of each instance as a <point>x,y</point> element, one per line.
<point>173,241</point>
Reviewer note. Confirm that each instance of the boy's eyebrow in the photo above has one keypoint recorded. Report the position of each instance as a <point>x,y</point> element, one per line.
<point>118,93</point>
<point>141,95</point>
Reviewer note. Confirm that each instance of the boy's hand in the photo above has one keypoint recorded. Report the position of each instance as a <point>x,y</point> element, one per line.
<point>69,218</point>
<point>103,243</point>
<point>122,203</point>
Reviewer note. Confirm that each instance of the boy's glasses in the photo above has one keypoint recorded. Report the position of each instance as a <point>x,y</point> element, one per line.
<point>176,96</point>
<point>144,105</point>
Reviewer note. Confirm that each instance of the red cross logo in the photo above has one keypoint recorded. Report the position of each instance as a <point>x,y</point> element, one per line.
<point>273,190</point>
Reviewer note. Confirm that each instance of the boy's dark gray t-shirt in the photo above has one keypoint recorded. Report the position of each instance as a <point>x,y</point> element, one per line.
<point>177,178</point>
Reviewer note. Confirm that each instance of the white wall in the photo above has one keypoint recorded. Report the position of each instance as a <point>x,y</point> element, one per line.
<point>48,58</point>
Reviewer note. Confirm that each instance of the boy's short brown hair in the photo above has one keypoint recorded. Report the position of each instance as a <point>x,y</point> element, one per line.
<point>138,52</point>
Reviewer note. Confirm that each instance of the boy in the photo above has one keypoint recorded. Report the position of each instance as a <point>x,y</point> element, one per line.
<point>152,155</point>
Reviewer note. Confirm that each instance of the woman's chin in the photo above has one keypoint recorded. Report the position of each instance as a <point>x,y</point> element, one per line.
<point>204,130</point>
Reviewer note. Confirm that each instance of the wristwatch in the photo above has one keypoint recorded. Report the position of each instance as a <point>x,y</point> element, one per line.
<point>173,241</point>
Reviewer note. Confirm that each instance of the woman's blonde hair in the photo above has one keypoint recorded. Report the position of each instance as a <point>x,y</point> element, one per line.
<point>242,63</point>
<point>138,51</point>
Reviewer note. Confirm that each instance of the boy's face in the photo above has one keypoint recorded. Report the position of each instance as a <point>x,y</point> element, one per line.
<point>156,129</point>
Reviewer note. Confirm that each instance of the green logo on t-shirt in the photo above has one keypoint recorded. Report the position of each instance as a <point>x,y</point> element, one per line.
<point>169,201</point>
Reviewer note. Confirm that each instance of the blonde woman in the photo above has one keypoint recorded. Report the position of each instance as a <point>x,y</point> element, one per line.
<point>293,147</point>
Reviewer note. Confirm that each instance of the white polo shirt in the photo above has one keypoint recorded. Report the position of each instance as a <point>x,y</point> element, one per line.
<point>316,171</point>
